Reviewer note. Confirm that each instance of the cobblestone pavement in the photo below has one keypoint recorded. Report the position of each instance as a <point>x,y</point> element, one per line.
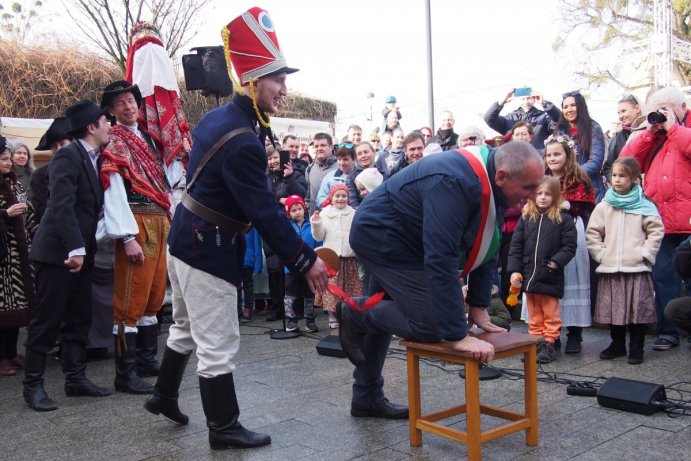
<point>302,399</point>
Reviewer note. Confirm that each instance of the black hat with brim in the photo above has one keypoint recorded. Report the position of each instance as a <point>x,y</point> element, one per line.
<point>82,113</point>
<point>56,132</point>
<point>119,87</point>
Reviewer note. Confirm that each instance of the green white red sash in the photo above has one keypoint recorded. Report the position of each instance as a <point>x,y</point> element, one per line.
<point>488,240</point>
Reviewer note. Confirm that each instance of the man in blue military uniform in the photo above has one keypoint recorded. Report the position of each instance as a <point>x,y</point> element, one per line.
<point>412,234</point>
<point>227,190</point>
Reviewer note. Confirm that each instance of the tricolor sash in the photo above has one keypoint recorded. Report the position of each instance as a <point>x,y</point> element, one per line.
<point>488,239</point>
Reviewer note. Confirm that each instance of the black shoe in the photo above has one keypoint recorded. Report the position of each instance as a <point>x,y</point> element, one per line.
<point>385,409</point>
<point>311,326</point>
<point>351,340</point>
<point>222,412</point>
<point>165,398</point>
<point>573,340</point>
<point>292,325</point>
<point>147,348</point>
<point>126,378</point>
<point>546,353</point>
<point>613,351</point>
<point>635,355</point>
<point>34,394</point>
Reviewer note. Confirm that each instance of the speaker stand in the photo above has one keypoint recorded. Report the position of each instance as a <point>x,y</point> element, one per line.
<point>283,334</point>
<point>486,373</point>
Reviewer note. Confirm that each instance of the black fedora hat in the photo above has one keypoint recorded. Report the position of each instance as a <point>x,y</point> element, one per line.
<point>80,114</point>
<point>119,87</point>
<point>56,132</point>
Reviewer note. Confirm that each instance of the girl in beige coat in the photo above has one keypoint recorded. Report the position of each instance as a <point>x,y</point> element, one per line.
<point>332,226</point>
<point>624,235</point>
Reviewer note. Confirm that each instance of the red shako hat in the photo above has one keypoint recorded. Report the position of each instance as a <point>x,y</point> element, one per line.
<point>251,45</point>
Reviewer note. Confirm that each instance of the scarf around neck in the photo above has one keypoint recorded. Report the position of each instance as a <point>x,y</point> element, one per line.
<point>633,203</point>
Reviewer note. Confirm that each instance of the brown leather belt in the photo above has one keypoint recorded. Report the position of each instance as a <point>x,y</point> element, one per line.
<point>214,217</point>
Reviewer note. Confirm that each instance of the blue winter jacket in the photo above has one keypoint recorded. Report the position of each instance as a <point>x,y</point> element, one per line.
<point>253,251</point>
<point>425,218</point>
<point>305,234</point>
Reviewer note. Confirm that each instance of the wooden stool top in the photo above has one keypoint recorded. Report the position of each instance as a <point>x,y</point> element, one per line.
<point>504,341</point>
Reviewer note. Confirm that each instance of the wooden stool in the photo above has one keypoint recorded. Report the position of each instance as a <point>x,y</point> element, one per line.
<point>505,345</point>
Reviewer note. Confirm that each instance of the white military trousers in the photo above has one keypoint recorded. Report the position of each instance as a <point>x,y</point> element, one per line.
<point>205,314</point>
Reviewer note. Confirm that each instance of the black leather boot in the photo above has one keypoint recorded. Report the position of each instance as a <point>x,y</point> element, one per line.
<point>74,367</point>
<point>574,338</point>
<point>165,398</point>
<point>618,346</point>
<point>34,394</point>
<point>221,409</point>
<point>126,377</point>
<point>147,347</point>
<point>636,342</point>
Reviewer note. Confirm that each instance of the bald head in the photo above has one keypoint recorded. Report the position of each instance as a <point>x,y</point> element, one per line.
<point>520,170</point>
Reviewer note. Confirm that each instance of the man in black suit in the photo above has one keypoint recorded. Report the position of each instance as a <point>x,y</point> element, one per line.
<point>63,253</point>
<point>55,138</point>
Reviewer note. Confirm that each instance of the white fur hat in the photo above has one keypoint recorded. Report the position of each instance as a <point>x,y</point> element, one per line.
<point>370,178</point>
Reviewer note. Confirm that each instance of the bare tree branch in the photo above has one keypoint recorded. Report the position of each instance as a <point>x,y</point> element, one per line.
<point>111,22</point>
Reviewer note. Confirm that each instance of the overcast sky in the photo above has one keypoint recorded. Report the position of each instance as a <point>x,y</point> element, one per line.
<point>347,49</point>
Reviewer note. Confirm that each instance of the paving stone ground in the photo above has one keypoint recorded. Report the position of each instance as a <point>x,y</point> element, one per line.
<point>302,399</point>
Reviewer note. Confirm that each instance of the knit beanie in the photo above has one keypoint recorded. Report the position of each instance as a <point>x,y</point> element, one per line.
<point>335,188</point>
<point>370,178</point>
<point>292,200</point>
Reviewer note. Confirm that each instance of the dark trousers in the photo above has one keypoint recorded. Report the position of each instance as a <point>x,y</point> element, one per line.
<point>667,283</point>
<point>62,298</point>
<point>678,313</point>
<point>246,292</point>
<point>277,292</point>
<point>408,314</point>
<point>8,343</point>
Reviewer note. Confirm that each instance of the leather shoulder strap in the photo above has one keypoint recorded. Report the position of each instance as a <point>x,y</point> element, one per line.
<point>210,153</point>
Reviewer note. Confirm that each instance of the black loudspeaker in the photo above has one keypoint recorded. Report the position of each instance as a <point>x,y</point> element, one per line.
<point>330,345</point>
<point>628,395</point>
<point>207,71</point>
<point>194,72</point>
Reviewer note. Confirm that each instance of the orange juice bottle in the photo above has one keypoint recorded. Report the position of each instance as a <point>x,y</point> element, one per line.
<point>514,289</point>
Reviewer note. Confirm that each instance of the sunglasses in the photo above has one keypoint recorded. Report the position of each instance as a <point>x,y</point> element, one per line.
<point>630,98</point>
<point>470,138</point>
<point>571,94</point>
<point>348,145</point>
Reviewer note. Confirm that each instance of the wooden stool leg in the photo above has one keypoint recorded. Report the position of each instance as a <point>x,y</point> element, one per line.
<point>414,410</point>
<point>530,373</point>
<point>472,399</point>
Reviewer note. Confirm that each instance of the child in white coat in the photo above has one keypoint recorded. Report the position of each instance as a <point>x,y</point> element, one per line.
<point>624,236</point>
<point>332,226</point>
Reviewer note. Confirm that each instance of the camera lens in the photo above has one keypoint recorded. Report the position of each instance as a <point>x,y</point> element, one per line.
<point>655,118</point>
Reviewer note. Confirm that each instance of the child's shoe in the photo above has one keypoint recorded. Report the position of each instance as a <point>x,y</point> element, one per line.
<point>311,326</point>
<point>292,325</point>
<point>546,352</point>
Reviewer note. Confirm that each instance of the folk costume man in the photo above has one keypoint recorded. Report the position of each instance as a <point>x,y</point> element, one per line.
<point>63,254</point>
<point>412,234</point>
<point>227,189</point>
<point>137,217</point>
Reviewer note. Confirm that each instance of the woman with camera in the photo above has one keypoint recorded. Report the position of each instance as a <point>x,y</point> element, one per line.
<point>575,122</point>
<point>629,111</point>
